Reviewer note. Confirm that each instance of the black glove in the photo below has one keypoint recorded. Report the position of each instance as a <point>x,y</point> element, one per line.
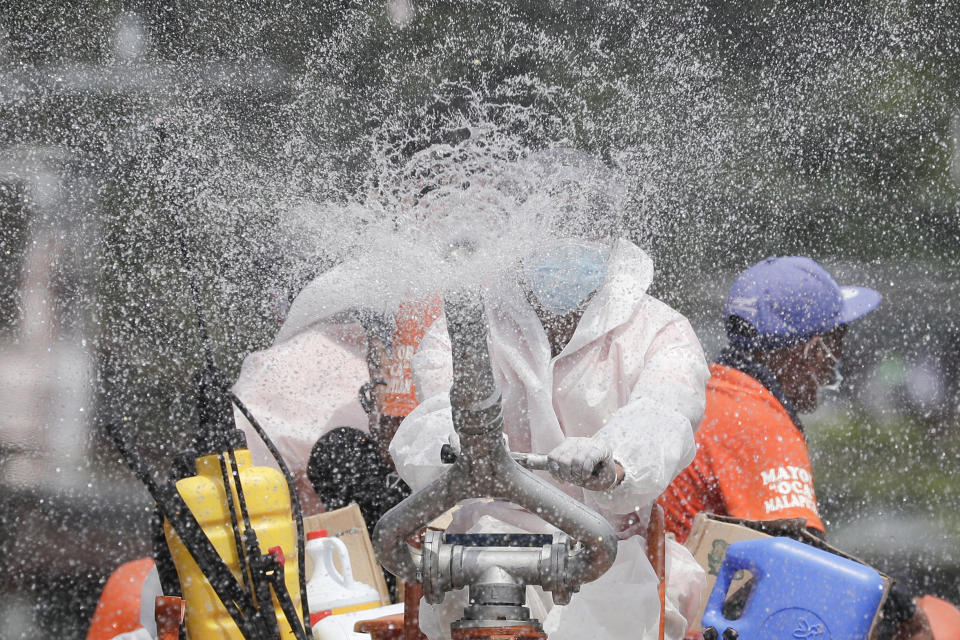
<point>897,609</point>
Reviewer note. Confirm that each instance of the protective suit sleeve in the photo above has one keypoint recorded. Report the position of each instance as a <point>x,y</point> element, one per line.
<point>652,435</point>
<point>415,448</point>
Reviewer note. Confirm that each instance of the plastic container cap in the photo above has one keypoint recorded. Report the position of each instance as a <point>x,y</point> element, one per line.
<point>319,533</point>
<point>319,615</point>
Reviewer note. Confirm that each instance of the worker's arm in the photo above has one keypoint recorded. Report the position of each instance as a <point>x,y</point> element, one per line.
<point>652,434</point>
<point>432,364</point>
<point>416,446</point>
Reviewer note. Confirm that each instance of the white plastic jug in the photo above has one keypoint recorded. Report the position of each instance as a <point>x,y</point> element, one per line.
<point>329,589</point>
<point>341,627</point>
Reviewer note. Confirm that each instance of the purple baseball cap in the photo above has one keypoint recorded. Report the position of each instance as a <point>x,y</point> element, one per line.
<point>791,299</point>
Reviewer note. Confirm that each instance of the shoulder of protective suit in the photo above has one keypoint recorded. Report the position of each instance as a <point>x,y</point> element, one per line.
<point>629,266</point>
<point>652,319</point>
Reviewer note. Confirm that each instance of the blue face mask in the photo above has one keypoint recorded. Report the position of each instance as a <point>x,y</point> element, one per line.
<point>563,277</point>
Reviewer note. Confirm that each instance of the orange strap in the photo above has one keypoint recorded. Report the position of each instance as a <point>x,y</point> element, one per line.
<point>412,319</point>
<point>657,555</point>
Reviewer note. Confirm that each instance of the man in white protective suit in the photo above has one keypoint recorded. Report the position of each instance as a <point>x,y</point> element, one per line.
<point>596,373</point>
<point>306,384</point>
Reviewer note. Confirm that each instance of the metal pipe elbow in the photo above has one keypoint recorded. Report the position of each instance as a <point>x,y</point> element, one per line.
<point>596,535</point>
<point>405,519</point>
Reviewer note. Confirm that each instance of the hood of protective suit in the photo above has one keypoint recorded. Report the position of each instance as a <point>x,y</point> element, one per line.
<point>332,294</point>
<point>302,388</point>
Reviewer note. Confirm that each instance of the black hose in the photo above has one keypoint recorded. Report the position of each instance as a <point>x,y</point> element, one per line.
<point>236,601</point>
<point>213,434</point>
<point>294,499</point>
<point>253,555</point>
<point>244,565</point>
<point>233,516</point>
<point>166,569</point>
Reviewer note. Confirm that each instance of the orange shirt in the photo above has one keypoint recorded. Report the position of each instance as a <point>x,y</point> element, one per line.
<point>752,460</point>
<point>413,318</point>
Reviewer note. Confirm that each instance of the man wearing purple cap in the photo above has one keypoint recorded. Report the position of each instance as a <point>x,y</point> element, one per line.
<point>785,320</point>
<point>790,315</point>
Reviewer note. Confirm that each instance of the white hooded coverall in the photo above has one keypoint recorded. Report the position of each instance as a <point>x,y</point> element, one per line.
<point>308,382</point>
<point>633,375</point>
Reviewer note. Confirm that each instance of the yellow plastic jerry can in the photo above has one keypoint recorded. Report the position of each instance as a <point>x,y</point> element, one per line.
<point>268,504</point>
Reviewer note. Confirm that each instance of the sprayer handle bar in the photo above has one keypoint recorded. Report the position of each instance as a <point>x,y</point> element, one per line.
<point>541,462</point>
<point>530,461</point>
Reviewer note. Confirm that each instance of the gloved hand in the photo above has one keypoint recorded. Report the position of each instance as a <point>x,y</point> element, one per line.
<point>585,463</point>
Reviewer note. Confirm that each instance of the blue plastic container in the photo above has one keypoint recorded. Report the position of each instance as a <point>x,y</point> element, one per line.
<point>799,593</point>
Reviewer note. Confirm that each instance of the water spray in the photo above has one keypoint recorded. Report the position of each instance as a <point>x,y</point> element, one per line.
<point>214,526</point>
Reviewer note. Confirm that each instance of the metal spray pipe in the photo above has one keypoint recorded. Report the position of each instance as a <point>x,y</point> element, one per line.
<point>485,468</point>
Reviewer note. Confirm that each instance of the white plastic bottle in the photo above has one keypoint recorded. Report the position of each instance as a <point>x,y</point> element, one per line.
<point>341,627</point>
<point>329,591</point>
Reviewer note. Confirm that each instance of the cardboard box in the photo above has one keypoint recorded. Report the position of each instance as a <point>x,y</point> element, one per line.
<point>708,541</point>
<point>712,534</point>
<point>348,525</point>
